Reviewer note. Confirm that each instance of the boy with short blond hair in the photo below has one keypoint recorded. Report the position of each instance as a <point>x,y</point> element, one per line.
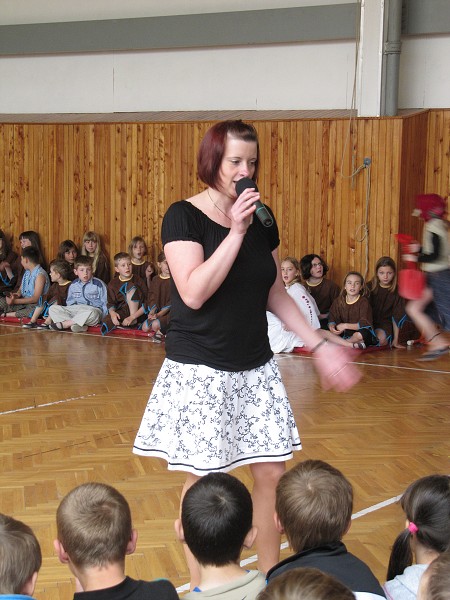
<point>20,559</point>
<point>86,300</point>
<point>314,503</point>
<point>95,534</point>
<point>126,296</point>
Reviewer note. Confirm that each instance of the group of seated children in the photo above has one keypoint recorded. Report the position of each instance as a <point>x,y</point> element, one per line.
<point>314,504</point>
<point>358,316</point>
<point>82,293</point>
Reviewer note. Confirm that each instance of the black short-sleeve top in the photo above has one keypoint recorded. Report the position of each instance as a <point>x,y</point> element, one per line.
<point>229,332</point>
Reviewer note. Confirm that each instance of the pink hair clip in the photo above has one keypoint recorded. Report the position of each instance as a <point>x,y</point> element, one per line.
<point>413,527</point>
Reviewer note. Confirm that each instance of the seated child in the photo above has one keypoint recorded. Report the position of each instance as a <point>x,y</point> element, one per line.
<point>435,582</point>
<point>314,503</point>
<point>141,267</point>
<point>281,339</point>
<point>159,299</point>
<point>20,559</point>
<point>388,307</point>
<point>216,524</point>
<point>126,296</point>
<point>85,303</point>
<point>426,504</point>
<point>34,284</point>
<point>91,246</point>
<point>9,265</point>
<point>324,291</point>
<point>60,274</point>
<point>350,316</point>
<point>305,584</point>
<point>95,534</point>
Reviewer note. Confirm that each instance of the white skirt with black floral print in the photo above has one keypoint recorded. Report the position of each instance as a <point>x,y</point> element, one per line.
<point>202,420</point>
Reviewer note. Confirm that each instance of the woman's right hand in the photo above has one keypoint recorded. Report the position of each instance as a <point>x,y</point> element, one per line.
<point>335,368</point>
<point>242,210</point>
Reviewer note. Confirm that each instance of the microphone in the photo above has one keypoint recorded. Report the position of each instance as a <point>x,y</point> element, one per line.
<point>261,211</point>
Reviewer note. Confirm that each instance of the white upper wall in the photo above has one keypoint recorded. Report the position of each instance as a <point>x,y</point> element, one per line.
<point>53,11</point>
<point>304,76</point>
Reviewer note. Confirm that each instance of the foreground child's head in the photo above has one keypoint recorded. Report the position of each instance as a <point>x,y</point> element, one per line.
<point>305,584</point>
<point>435,582</point>
<point>216,519</point>
<point>314,504</point>
<point>290,270</point>
<point>20,557</point>
<point>426,504</point>
<point>94,527</point>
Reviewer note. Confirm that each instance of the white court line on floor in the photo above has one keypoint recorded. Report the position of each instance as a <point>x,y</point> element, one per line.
<point>36,406</point>
<point>368,364</point>
<point>361,513</point>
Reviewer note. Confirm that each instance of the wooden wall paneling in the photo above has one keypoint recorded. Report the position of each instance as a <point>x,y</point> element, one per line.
<point>378,155</point>
<point>413,168</point>
<point>4,180</point>
<point>325,182</point>
<point>118,179</point>
<point>159,199</point>
<point>21,213</point>
<point>147,232</point>
<point>295,196</point>
<point>283,192</point>
<point>341,161</point>
<point>53,205</point>
<point>333,174</point>
<point>438,164</point>
<point>73,231</point>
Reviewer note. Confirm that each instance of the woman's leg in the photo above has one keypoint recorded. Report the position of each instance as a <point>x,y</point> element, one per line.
<point>266,477</point>
<point>427,327</point>
<point>191,562</point>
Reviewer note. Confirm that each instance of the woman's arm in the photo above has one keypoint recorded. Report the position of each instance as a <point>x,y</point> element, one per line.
<point>198,279</point>
<point>334,365</point>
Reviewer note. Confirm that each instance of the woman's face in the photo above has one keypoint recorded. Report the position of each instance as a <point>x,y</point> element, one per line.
<point>316,267</point>
<point>25,243</point>
<point>91,246</point>
<point>239,160</point>
<point>288,272</point>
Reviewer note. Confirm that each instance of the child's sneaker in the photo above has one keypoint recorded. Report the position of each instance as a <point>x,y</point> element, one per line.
<point>29,325</point>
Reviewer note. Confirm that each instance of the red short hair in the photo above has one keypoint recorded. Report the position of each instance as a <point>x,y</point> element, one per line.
<point>212,148</point>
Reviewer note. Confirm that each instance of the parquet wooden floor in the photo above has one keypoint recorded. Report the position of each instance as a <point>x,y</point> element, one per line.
<point>70,406</point>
